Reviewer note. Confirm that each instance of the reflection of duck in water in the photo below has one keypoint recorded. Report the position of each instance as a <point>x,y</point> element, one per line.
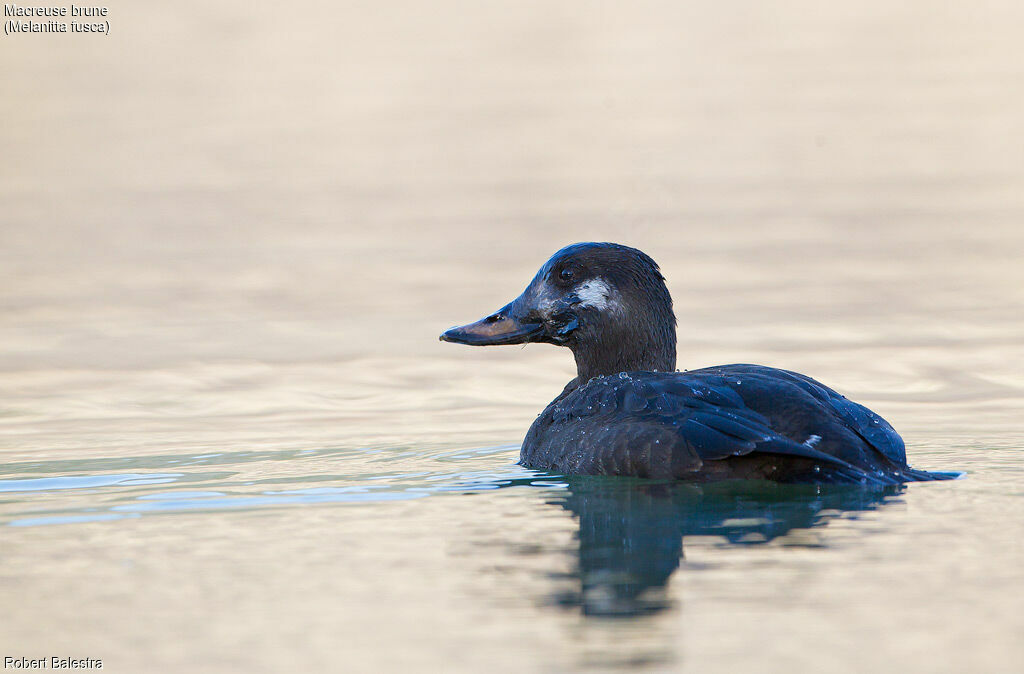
<point>631,532</point>
<point>628,412</point>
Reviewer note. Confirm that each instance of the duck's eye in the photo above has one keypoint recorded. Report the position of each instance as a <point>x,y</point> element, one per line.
<point>566,274</point>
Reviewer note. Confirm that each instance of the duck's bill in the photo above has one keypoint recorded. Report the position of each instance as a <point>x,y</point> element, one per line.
<point>498,328</point>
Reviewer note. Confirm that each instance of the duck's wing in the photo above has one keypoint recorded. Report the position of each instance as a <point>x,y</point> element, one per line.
<point>872,428</point>
<point>653,425</point>
<point>762,388</point>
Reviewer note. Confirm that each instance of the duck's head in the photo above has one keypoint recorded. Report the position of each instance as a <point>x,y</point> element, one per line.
<point>606,302</point>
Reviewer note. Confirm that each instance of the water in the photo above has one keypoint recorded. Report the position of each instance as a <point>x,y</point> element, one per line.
<point>229,437</point>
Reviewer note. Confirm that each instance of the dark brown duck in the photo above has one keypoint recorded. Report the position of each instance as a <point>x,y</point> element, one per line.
<point>629,412</point>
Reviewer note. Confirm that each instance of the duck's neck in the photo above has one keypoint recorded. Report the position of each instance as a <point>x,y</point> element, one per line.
<point>629,350</point>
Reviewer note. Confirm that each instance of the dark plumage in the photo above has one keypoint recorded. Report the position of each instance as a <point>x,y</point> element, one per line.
<point>628,412</point>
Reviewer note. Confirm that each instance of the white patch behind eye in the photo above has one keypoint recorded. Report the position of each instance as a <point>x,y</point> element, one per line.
<point>595,293</point>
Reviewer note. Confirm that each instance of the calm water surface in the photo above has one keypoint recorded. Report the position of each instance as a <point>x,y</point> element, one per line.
<point>229,437</point>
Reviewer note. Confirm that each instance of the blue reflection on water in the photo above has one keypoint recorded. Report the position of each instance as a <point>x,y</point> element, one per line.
<point>175,502</point>
<point>86,481</point>
<point>235,490</point>
<point>631,532</point>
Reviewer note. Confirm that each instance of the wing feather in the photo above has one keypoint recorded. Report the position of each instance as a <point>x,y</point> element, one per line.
<point>655,425</point>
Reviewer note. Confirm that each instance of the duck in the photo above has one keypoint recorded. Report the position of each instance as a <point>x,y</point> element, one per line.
<point>630,412</point>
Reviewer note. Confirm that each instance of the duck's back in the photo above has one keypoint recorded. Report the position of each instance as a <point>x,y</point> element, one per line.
<point>730,421</point>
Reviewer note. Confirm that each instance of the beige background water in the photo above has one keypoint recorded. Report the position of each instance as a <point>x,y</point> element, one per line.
<point>237,229</point>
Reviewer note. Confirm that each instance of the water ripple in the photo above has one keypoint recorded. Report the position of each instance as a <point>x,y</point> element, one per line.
<point>341,476</point>
<point>85,481</point>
